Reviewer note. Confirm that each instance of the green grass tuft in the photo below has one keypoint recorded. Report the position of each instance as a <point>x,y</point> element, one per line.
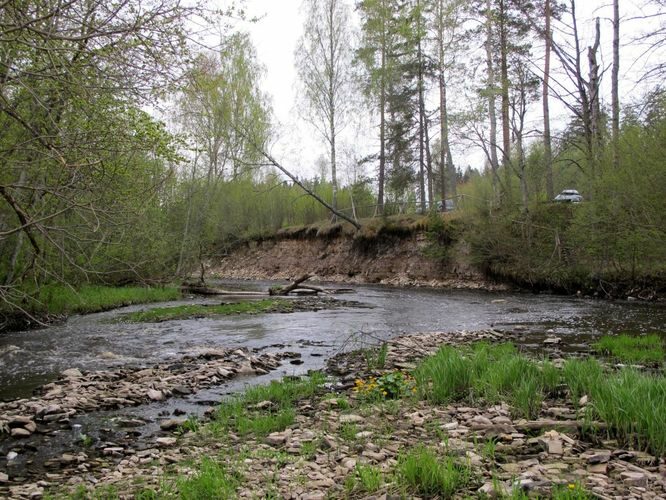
<point>631,349</point>
<point>370,478</point>
<point>492,373</point>
<point>211,480</point>
<point>240,415</point>
<point>204,310</point>
<point>87,299</point>
<point>424,473</point>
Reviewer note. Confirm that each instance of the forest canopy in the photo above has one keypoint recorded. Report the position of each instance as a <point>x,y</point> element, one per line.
<point>99,184</point>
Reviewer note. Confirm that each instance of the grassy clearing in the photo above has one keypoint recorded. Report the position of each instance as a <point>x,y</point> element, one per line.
<point>423,472</point>
<point>203,310</point>
<point>89,298</point>
<point>632,349</point>
<point>244,415</point>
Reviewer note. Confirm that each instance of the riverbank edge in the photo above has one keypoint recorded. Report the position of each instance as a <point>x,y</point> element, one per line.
<point>91,300</point>
<point>335,438</point>
<point>408,256</point>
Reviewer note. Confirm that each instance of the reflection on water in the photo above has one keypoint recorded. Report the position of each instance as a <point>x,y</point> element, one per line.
<point>93,342</point>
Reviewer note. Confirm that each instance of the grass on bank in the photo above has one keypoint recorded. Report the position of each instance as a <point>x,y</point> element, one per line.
<point>489,374</point>
<point>424,473</point>
<point>58,299</point>
<point>264,409</point>
<point>207,310</point>
<point>633,349</point>
<point>632,404</point>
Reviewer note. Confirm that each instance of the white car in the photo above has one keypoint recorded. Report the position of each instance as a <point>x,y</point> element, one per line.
<point>569,196</point>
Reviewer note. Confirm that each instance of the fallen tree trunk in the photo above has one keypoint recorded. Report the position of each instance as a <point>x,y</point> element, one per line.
<point>206,290</point>
<point>289,288</point>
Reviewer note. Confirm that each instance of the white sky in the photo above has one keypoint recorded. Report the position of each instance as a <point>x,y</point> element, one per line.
<point>276,34</point>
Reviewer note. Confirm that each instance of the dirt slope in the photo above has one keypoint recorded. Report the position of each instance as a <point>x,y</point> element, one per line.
<point>386,258</point>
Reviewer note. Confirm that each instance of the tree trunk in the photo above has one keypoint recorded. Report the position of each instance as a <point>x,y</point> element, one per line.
<point>504,77</point>
<point>331,98</point>
<point>595,107</point>
<point>428,158</point>
<point>615,85</point>
<point>419,58</point>
<point>492,113</point>
<point>547,146</point>
<point>382,126</point>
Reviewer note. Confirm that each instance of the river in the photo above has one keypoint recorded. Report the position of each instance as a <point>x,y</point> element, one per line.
<point>94,341</point>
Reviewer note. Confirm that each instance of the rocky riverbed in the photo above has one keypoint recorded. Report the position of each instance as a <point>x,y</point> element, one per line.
<point>333,435</point>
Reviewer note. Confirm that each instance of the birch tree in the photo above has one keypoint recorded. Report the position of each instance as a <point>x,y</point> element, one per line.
<point>324,61</point>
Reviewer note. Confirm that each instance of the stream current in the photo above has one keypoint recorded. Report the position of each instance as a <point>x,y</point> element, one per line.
<point>95,342</point>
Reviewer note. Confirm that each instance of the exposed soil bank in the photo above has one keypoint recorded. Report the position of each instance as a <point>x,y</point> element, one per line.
<point>397,259</point>
<point>410,256</point>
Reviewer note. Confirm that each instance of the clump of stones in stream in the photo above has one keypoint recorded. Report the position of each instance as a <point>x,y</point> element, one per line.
<point>316,457</point>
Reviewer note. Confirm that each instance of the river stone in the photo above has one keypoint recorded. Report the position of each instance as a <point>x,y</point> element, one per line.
<point>165,442</point>
<point>495,489</point>
<point>277,438</point>
<point>596,456</point>
<point>245,369</point>
<point>18,421</point>
<point>155,395</point>
<point>20,432</point>
<point>635,479</point>
<point>3,477</point>
<point>479,422</point>
<point>172,423</point>
<point>72,373</point>
<point>351,419</point>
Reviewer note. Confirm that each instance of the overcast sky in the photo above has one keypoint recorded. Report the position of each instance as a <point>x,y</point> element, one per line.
<point>276,34</point>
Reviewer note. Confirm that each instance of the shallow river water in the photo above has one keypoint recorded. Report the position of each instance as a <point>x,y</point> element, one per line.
<point>94,342</point>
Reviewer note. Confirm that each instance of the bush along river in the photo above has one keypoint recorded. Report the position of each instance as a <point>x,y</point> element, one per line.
<point>105,403</point>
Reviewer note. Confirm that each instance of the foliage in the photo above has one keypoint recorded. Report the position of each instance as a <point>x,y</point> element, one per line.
<point>571,491</point>
<point>392,385</point>
<point>85,170</point>
<point>610,243</point>
<point>493,373</point>
<point>241,415</point>
<point>441,235</point>
<point>375,358</point>
<point>369,478</point>
<point>632,404</point>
